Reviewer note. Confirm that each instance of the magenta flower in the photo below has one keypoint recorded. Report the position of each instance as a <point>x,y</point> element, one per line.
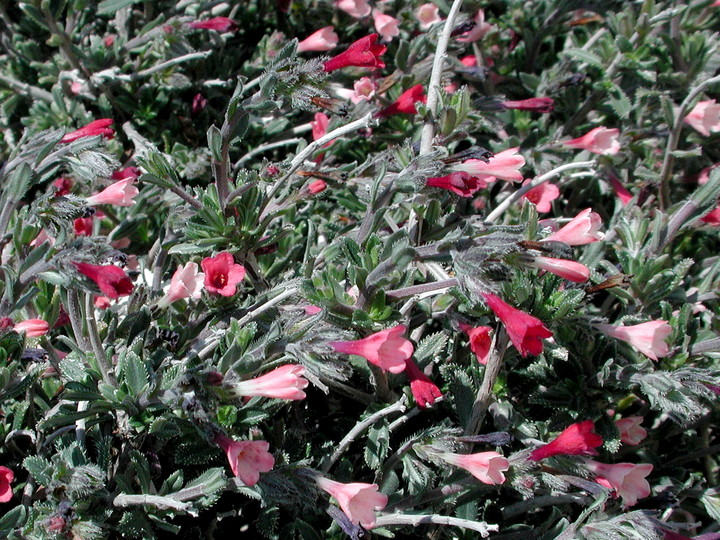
<point>460,183</point>
<point>525,331</point>
<point>365,52</point>
<point>480,341</point>
<point>6,478</point>
<point>285,382</point>
<point>110,279</point>
<point>405,103</point>
<point>220,24</point>
<point>385,25</point>
<point>247,459</point>
<point>705,117</point>
<point>565,268</point>
<point>354,8</point>
<point>600,140</point>
<point>324,39</point>
<point>121,193</point>
<point>648,338</point>
<point>32,327</point>
<point>199,103</point>
<point>424,391</point>
<point>539,104</point>
<point>387,349</point>
<point>582,229</point>
<point>222,274</point>
<point>427,15</point>
<point>186,282</point>
<point>542,196</point>
<point>576,440</point>
<point>627,480</point>
<point>358,500</point>
<point>504,165</point>
<point>631,432</point>
<point>488,467</point>
<point>96,127</point>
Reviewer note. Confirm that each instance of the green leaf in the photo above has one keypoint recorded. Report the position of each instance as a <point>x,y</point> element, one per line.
<point>584,56</point>
<point>134,373</point>
<point>430,347</point>
<point>12,520</point>
<point>417,475</point>
<point>109,7</point>
<point>377,444</point>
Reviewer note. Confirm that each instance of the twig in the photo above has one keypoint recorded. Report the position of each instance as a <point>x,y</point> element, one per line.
<point>26,89</point>
<point>405,292</point>
<point>538,502</point>
<point>185,196</point>
<point>703,347</point>
<point>97,346</point>
<point>172,62</point>
<point>267,305</point>
<point>162,503</point>
<point>266,148</point>
<point>398,406</point>
<point>492,369</point>
<point>497,212</point>
<point>417,519</point>
<point>75,316</point>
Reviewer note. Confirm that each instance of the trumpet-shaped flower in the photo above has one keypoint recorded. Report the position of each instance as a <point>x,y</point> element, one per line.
<point>565,268</point>
<point>32,327</point>
<point>460,183</point>
<point>480,341</point>
<point>365,52</point>
<point>324,39</point>
<point>705,117</point>
<point>405,103</point>
<point>247,459</point>
<point>488,467</point>
<point>479,30</point>
<point>354,8</point>
<point>600,140</point>
<point>504,165</point>
<point>424,391</point>
<point>576,440</point>
<point>121,193</point>
<point>631,432</point>
<point>385,25</point>
<point>285,382</point>
<point>110,279</point>
<point>427,15</point>
<point>627,480</point>
<point>186,282</point>
<point>582,229</point>
<point>542,196</point>
<point>648,338</point>
<point>358,500</point>
<point>219,24</point>
<point>96,127</point>
<point>6,478</point>
<point>387,349</point>
<point>222,274</point>
<point>539,104</point>
<point>525,331</point>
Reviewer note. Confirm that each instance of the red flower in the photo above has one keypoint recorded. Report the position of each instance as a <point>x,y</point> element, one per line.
<point>461,183</point>
<point>96,127</point>
<point>6,478</point>
<point>222,274</point>
<point>423,389</point>
<point>62,186</point>
<point>480,341</point>
<point>83,226</point>
<point>110,279</point>
<point>525,331</point>
<point>577,440</point>
<point>363,53</point>
<point>221,24</point>
<point>405,103</point>
<point>540,104</point>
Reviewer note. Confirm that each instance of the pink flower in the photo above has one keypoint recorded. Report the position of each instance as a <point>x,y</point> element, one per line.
<point>199,103</point>
<point>120,193</point>
<point>358,500</point>
<point>600,140</point>
<point>319,125</point>
<point>186,282</point>
<point>480,341</point>
<point>582,229</point>
<point>504,165</point>
<point>705,117</point>
<point>363,90</point>
<point>621,191</point>
<point>525,331</point>
<point>6,478</point>
<point>354,8</point>
<point>101,302</point>
<point>285,382</point>
<point>33,327</point>
<point>541,196</point>
<point>479,31</point>
<point>316,186</point>
<point>385,25</point>
<point>405,103</point>
<point>324,39</point>
<point>630,430</point>
<point>365,52</point>
<point>541,104</point>
<point>576,440</point>
<point>386,349</point>
<point>427,15</point>
<point>567,269</point>
<point>424,391</point>
<point>488,467</point>
<point>460,183</point>
<point>96,127</point>
<point>220,24</point>
<point>626,479</point>
<point>312,310</point>
<point>247,459</point>
<point>109,40</point>
<point>648,338</point>
<point>222,274</point>
<point>110,279</point>
<point>41,238</point>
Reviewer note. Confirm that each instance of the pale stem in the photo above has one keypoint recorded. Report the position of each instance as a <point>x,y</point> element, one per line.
<point>172,62</point>
<point>417,519</point>
<point>266,148</point>
<point>26,89</point>
<point>82,406</point>
<point>267,305</point>
<point>75,316</point>
<point>437,287</point>
<point>95,341</point>
<point>161,503</point>
<point>484,395</point>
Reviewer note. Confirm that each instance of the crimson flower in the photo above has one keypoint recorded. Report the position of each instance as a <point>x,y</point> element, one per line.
<point>576,440</point>
<point>480,341</point>
<point>96,127</point>
<point>221,24</point>
<point>365,52</point>
<point>405,103</point>
<point>541,104</point>
<point>222,274</point>
<point>110,279</point>
<point>525,331</point>
<point>461,183</point>
<point>424,391</point>
<point>6,478</point>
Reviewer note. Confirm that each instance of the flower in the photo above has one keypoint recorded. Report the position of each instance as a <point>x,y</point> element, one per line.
<point>525,331</point>
<point>363,90</point>
<point>386,349</point>
<point>285,382</point>
<point>101,302</point>
<point>621,192</point>
<point>357,499</point>
<point>488,467</point>
<point>630,430</point>
<point>62,185</point>
<point>460,183</point>
<point>32,327</point>
<point>110,279</point>
<point>504,165</point>
<point>365,52</point>
<point>424,391</point>
<point>405,103</point>
<point>186,282</point>
<point>222,274</point>
<point>565,268</point>
<point>648,338</point>
<point>480,341</point>
<point>6,478</point>
<point>220,24</point>
<point>316,186</point>
<point>712,217</point>
<point>41,238</point>
<point>576,440</point>
<point>427,15</point>
<point>247,459</point>
<point>96,127</point>
<point>600,140</point>
<point>705,117</point>
<point>581,230</point>
<point>540,104</point>
<point>127,172</point>
<point>83,226</point>
<point>626,479</point>
<point>324,39</point>
<point>120,193</point>
<point>354,8</point>
<point>319,125</point>
<point>541,196</point>
<point>479,29</point>
<point>385,25</point>
<point>199,103</point>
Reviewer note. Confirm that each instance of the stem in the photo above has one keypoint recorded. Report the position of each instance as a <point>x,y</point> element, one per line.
<point>161,503</point>
<point>185,196</point>
<point>172,62</point>
<point>73,311</point>
<point>265,148</point>
<point>97,345</point>
<point>398,406</point>
<point>267,305</point>
<point>416,519</point>
<point>492,369</point>
<point>522,507</point>
<point>239,191</point>
<point>419,289</point>
<point>497,212</point>
<point>26,89</point>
